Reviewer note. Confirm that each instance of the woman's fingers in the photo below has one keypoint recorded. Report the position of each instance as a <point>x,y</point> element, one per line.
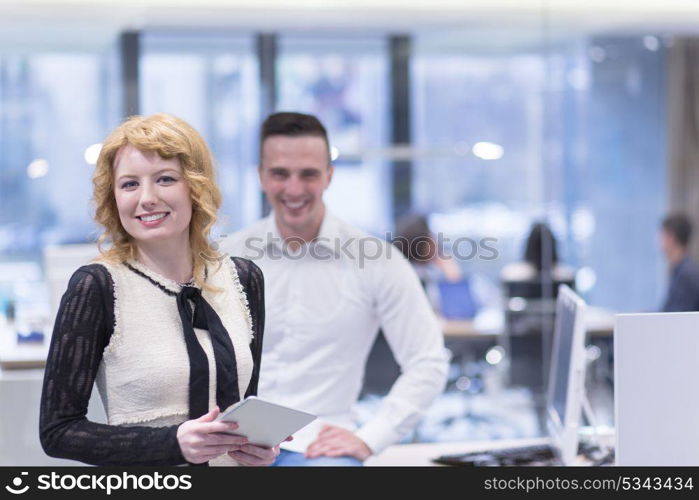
<point>210,416</point>
<point>249,459</point>
<point>245,459</point>
<point>255,455</point>
<point>213,427</point>
<point>259,452</point>
<point>224,439</point>
<point>215,451</point>
<point>202,439</point>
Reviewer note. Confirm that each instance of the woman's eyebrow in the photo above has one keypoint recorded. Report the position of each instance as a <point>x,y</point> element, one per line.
<point>167,169</point>
<point>162,170</point>
<point>127,176</point>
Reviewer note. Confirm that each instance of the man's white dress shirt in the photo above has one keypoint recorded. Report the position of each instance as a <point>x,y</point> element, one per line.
<point>324,304</point>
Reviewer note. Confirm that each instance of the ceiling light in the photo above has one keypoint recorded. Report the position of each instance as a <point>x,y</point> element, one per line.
<point>92,153</point>
<point>38,168</point>
<point>488,150</point>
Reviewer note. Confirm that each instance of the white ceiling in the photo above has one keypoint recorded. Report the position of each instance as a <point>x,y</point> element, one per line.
<point>28,23</point>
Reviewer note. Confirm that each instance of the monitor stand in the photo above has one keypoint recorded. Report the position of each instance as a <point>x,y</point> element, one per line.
<point>606,453</point>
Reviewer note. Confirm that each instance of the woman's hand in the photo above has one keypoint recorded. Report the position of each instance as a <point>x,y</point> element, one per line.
<point>250,454</point>
<point>203,439</point>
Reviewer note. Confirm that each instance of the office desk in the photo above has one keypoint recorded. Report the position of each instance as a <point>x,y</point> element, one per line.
<point>421,454</point>
<point>18,356</point>
<point>14,356</point>
<point>488,323</point>
<point>599,322</point>
<point>20,398</point>
<point>465,329</point>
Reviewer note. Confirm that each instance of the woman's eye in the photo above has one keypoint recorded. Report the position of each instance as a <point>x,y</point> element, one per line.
<point>167,179</point>
<point>129,185</point>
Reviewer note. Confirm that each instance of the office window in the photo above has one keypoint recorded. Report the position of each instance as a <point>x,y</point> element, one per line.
<point>477,124</point>
<point>607,177</point>
<point>345,82</point>
<point>55,105</point>
<point>211,81</point>
<point>573,136</point>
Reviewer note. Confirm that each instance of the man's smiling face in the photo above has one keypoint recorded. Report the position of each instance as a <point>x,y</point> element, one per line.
<point>294,173</point>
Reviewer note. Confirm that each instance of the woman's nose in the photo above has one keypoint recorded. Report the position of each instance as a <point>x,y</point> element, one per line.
<point>149,198</point>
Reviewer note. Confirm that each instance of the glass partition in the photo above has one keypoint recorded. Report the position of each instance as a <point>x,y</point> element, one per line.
<point>344,81</point>
<point>572,134</point>
<point>211,81</point>
<point>48,123</point>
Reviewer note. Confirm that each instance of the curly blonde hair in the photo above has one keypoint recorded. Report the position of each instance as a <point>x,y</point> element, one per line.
<point>169,137</point>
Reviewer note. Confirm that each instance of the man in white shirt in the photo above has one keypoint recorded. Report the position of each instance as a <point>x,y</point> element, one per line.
<point>328,289</point>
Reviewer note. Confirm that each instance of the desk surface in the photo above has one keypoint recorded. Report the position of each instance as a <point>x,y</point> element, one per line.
<point>421,454</point>
<point>26,355</point>
<point>598,322</point>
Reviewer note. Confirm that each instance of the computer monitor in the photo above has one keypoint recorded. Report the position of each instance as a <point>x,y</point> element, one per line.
<point>656,402</point>
<point>456,299</point>
<point>566,388</point>
<point>565,399</point>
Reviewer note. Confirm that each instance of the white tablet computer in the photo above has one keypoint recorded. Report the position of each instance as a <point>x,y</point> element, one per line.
<point>264,423</point>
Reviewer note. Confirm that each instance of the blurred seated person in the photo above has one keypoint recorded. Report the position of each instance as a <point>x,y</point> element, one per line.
<point>526,278</point>
<point>418,245</point>
<point>530,328</point>
<point>683,291</point>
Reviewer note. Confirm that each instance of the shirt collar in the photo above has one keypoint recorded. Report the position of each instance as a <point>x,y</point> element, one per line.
<point>271,233</point>
<point>328,235</point>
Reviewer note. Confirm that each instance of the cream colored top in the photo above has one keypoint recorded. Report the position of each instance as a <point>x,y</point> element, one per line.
<point>143,378</point>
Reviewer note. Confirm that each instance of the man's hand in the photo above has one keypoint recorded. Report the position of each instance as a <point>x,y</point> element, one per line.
<point>338,442</point>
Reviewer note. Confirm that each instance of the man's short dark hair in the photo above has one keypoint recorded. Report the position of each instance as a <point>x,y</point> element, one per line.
<point>679,227</point>
<point>291,124</point>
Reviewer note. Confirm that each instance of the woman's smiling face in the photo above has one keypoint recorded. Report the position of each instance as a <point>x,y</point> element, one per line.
<point>152,197</point>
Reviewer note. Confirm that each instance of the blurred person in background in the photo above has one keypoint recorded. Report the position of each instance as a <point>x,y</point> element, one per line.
<point>530,288</point>
<point>417,243</point>
<point>330,287</point>
<point>169,330</point>
<point>540,262</point>
<point>683,291</point>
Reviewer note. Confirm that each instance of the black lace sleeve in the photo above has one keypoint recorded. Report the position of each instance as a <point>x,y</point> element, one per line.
<point>84,324</point>
<point>254,287</point>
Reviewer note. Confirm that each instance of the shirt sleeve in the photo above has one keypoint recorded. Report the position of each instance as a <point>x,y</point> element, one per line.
<point>413,333</point>
<point>253,283</point>
<point>84,324</point>
<point>681,296</point>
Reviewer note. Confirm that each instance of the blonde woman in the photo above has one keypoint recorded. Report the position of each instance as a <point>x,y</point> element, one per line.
<point>168,329</point>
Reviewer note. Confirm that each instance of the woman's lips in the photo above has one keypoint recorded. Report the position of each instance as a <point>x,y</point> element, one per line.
<point>153,223</point>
